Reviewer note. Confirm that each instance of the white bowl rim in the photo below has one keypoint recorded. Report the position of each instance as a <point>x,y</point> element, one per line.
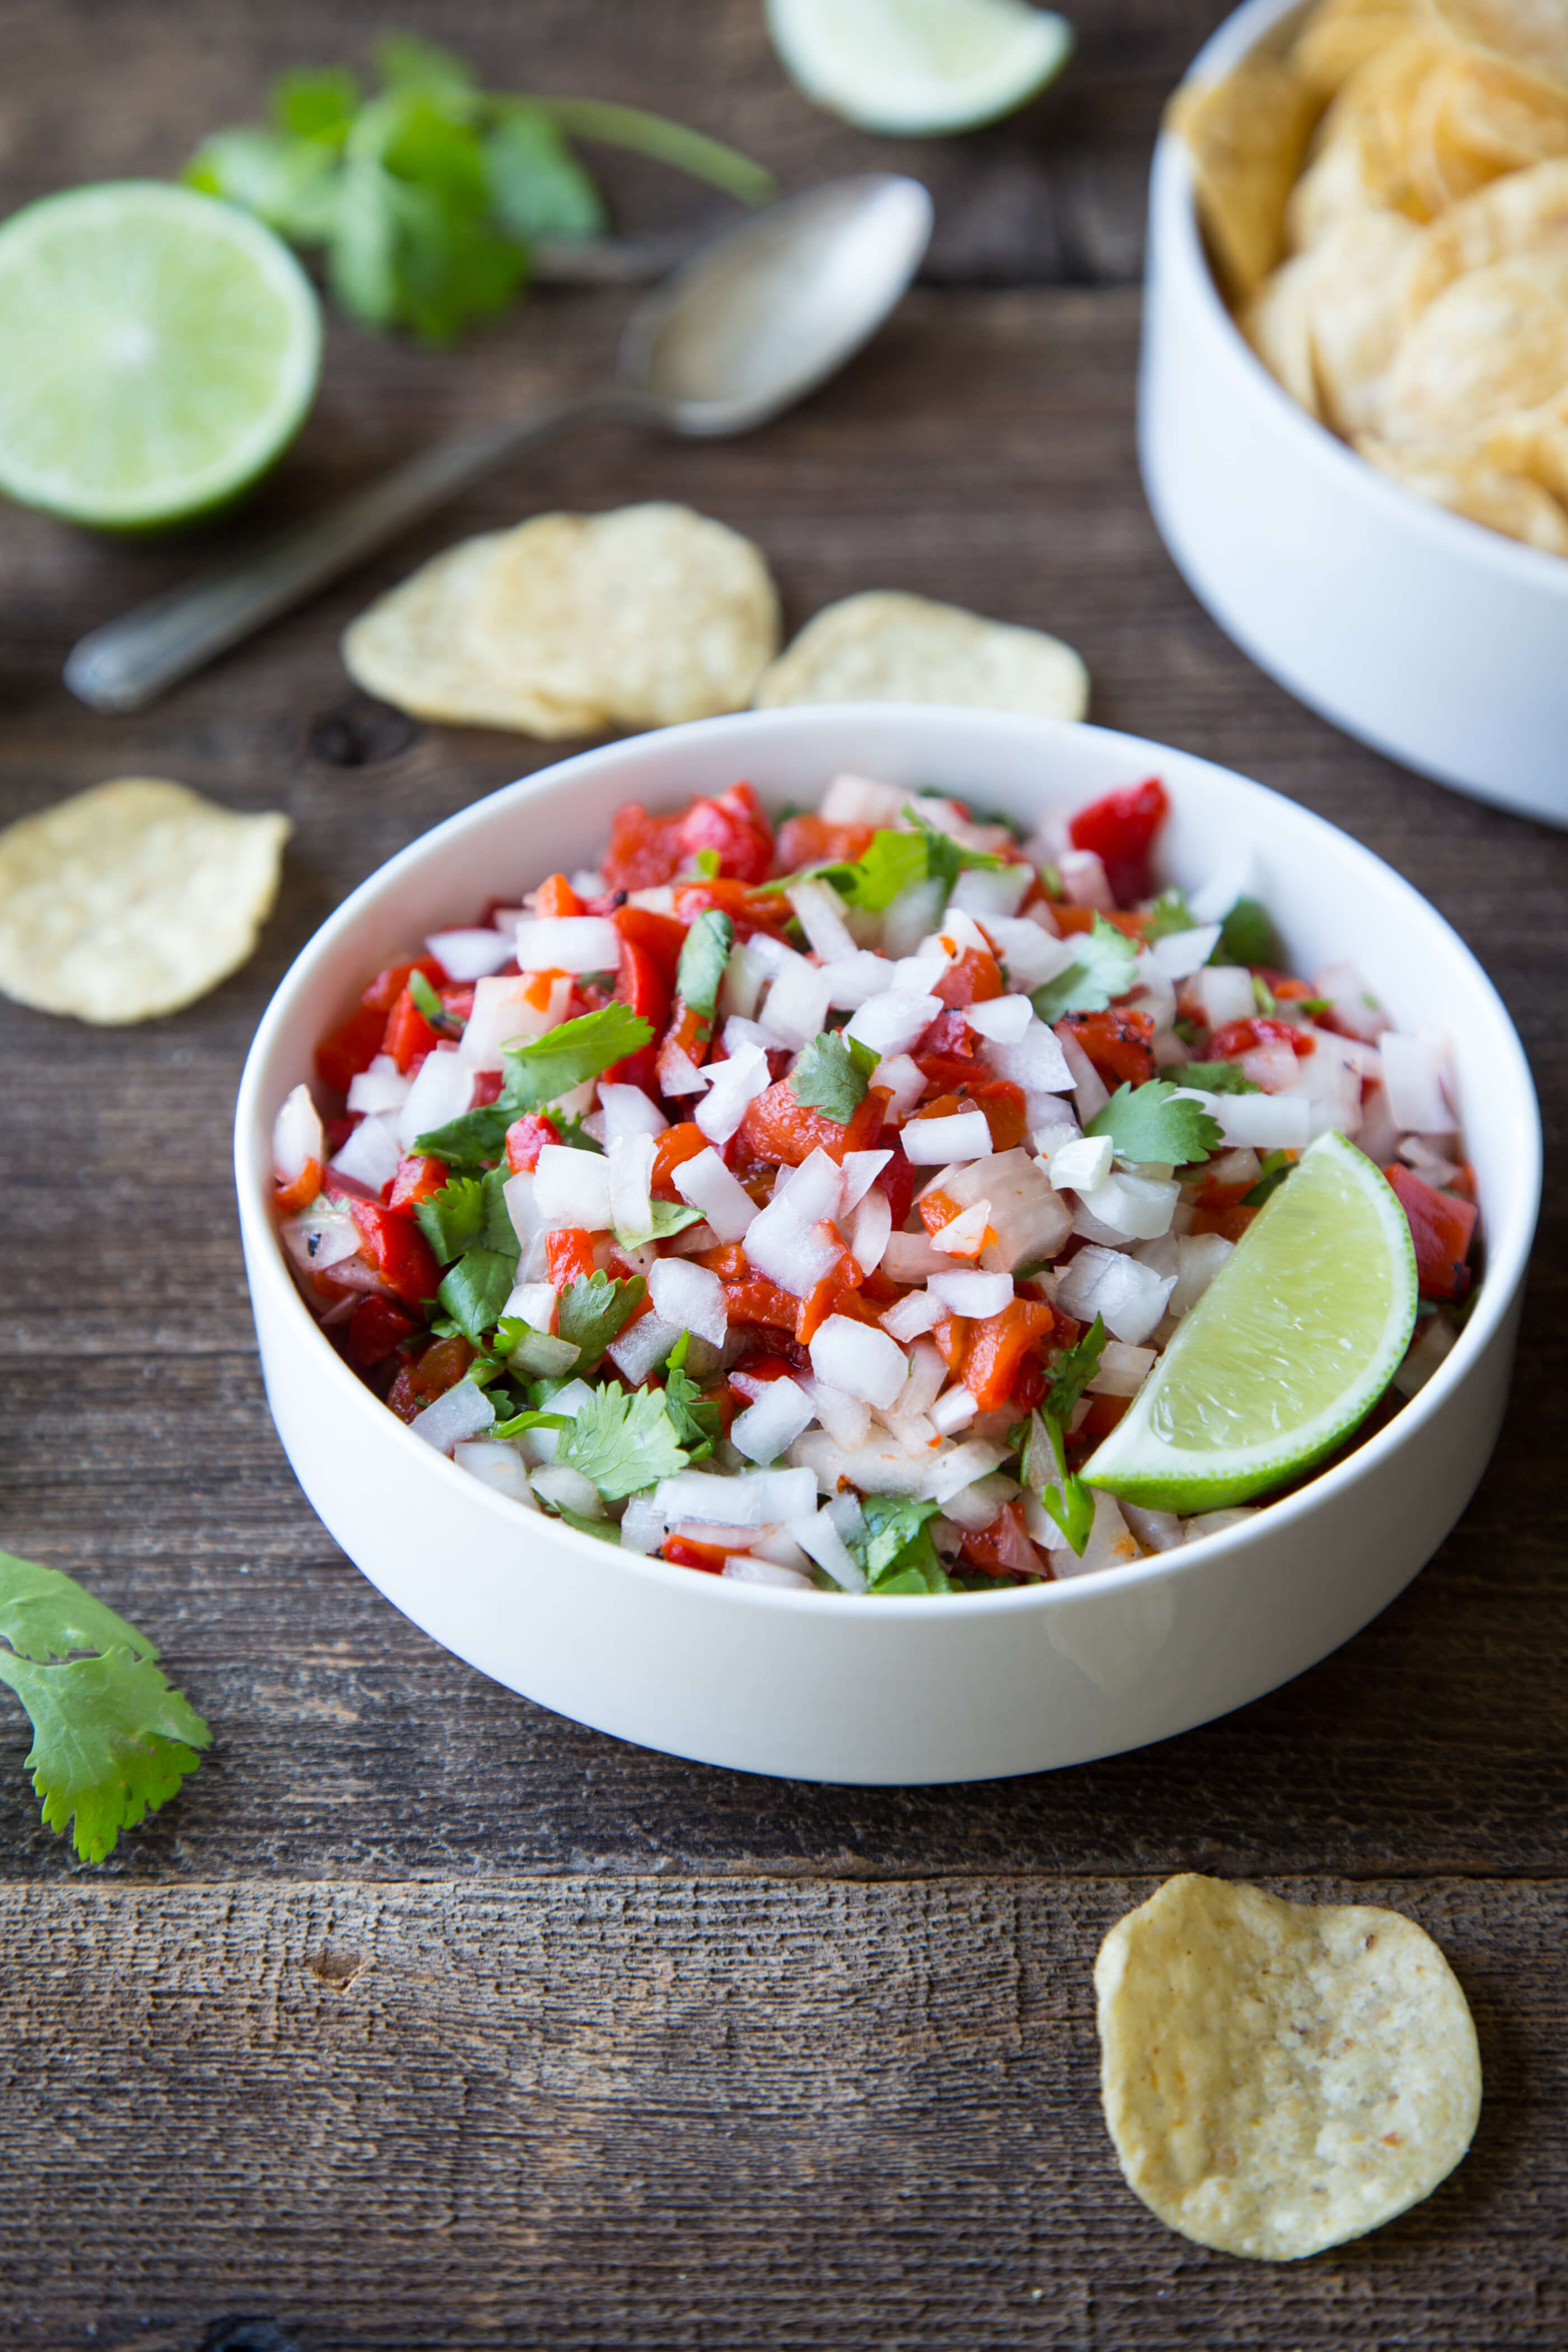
<point>1172,181</point>
<point>1494,1296</point>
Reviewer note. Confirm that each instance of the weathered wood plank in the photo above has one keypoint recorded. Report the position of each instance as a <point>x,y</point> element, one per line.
<point>579,2114</point>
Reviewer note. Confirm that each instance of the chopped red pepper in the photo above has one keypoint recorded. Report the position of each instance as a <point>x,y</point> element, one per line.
<point>555,897</point>
<point>811,840</point>
<point>660,935</point>
<point>1004,1548</point>
<point>440,1368</point>
<point>376,1329</point>
<point>1121,829</point>
<point>682,1553</point>
<point>1441,1228</point>
<point>995,1347</point>
<point>734,825</point>
<point>568,1256</point>
<point>1071,920</point>
<point>974,979</point>
<point>418,1178</point>
<point>399,1252</point>
<point>300,1192</point>
<point>1120,1045</point>
<point>776,1128</point>
<point>351,1047</point>
<point>526,1138</point>
<point>388,986</point>
<point>899,1180</point>
<point>1235,1038</point>
<point>410,1036</point>
<point>674,1147</point>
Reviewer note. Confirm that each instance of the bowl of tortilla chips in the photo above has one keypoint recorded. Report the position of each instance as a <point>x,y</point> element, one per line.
<point>1354,411</point>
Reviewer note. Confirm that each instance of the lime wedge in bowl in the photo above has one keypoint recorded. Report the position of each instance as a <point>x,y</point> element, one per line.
<point>911,68</point>
<point>158,350</point>
<point>1290,1346</point>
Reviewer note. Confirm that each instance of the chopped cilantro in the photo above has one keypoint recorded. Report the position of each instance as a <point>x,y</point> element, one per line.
<point>1148,1123</point>
<point>665,1217</point>
<point>1062,1492</point>
<point>1213,1078</point>
<point>1312,1006</point>
<point>623,1442</point>
<point>474,1291</point>
<point>1104,966</point>
<point>1262,994</point>
<point>539,1073</point>
<point>472,1140</point>
<point>946,860</point>
<point>530,1420</point>
<point>592,1310</point>
<point>828,1078</point>
<point>426,1002</point>
<point>1167,914</point>
<point>112,1739</point>
<point>708,865</point>
<point>896,1550</point>
<point>605,1530</point>
<point>453,1218</point>
<point>1072,1507</point>
<point>699,1424</point>
<point>703,957</point>
<point>1072,1371</point>
<point>1277,1166</point>
<point>893,861</point>
<point>1248,936</point>
<point>467,1221</point>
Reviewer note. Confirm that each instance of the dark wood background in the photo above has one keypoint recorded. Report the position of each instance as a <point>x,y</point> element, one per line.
<point>426,2018</point>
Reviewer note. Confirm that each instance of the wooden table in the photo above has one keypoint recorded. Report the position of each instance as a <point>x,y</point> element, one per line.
<point>425,2018</point>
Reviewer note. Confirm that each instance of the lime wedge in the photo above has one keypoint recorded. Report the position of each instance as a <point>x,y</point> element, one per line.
<point>157,351</point>
<point>911,68</point>
<point>1290,1346</point>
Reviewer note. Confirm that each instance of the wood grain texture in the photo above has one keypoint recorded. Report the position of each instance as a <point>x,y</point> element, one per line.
<point>589,2114</point>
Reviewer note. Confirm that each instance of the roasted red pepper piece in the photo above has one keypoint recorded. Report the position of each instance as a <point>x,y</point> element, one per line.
<point>682,1553</point>
<point>376,1329</point>
<point>399,1252</point>
<point>388,986</point>
<point>300,1192</point>
<point>440,1368</point>
<point>974,979</point>
<point>351,1047</point>
<point>568,1258</point>
<point>555,897</point>
<point>1121,829</point>
<point>410,1036</point>
<point>734,825</point>
<point>1120,1045</point>
<point>675,1146</point>
<point>811,840</point>
<point>418,1178</point>
<point>660,935</point>
<point>526,1138</point>
<point>997,1346</point>
<point>1234,1038</point>
<point>1441,1228</point>
<point>1004,1548</point>
<point>776,1128</point>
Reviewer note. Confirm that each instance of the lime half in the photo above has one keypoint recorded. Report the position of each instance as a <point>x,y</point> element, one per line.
<point>1290,1346</point>
<point>909,68</point>
<point>158,350</point>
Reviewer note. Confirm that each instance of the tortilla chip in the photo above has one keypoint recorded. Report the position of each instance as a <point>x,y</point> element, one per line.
<point>1516,213</point>
<point>1332,188</point>
<point>1357,279</point>
<point>1499,485</point>
<point>1277,2076</point>
<point>883,646</point>
<point>131,899</point>
<point>1380,113</point>
<point>649,615</point>
<point>1341,36</point>
<point>417,648</point>
<point>1494,343</point>
<point>1248,137</point>
<point>1277,324</point>
<point>1530,33</point>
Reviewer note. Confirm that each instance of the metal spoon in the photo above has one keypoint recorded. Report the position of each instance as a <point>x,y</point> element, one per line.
<point>751,324</point>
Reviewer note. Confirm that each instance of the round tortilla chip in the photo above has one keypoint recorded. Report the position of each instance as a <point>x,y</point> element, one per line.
<point>1247,135</point>
<point>131,899</point>
<point>648,613</point>
<point>1277,2077</point>
<point>1339,37</point>
<point>1492,343</point>
<point>1531,33</point>
<point>1277,324</point>
<point>1500,485</point>
<point>1333,187</point>
<point>1516,213</point>
<point>884,647</point>
<point>1356,281</point>
<point>417,648</point>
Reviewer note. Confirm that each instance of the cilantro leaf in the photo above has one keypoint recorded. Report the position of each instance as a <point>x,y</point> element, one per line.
<point>1104,966</point>
<point>1248,936</point>
<point>112,1740</point>
<point>896,1550</point>
<point>1062,1492</point>
<point>1213,1078</point>
<point>665,1218</point>
<point>1072,1371</point>
<point>1071,1506</point>
<point>474,1291</point>
<point>453,1218</point>
<point>892,862</point>
<point>699,1424</point>
<point>1145,1123</point>
<point>709,862</point>
<point>1166,914</point>
<point>946,860</point>
<point>826,1078</point>
<point>605,1530</point>
<point>539,1073</point>
<point>1277,1166</point>
<point>538,189</point>
<point>426,1002</point>
<point>623,1442</point>
<point>530,1420</point>
<point>592,1310</point>
<point>472,1140</point>
<point>528,1354</point>
<point>703,956</point>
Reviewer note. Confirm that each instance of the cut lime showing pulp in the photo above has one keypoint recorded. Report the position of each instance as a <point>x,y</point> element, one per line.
<point>911,68</point>
<point>1290,1346</point>
<point>157,351</point>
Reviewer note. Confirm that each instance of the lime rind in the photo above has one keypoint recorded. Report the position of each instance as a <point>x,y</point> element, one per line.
<point>915,69</point>
<point>161,348</point>
<point>1285,1354</point>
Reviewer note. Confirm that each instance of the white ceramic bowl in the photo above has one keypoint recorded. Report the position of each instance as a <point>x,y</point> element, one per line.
<point>822,1687</point>
<point>1426,635</point>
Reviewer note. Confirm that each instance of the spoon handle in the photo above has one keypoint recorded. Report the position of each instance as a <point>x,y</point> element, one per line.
<point>127,661</point>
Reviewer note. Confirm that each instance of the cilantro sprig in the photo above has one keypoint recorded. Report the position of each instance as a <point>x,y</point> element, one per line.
<point>896,1550</point>
<point>428,197</point>
<point>112,1739</point>
<point>1104,967</point>
<point>623,1442</point>
<point>593,1308</point>
<point>1213,1078</point>
<point>704,954</point>
<point>538,1075</point>
<point>467,1225</point>
<point>892,862</point>
<point>1152,1122</point>
<point>832,1076</point>
<point>1248,936</point>
<point>698,1423</point>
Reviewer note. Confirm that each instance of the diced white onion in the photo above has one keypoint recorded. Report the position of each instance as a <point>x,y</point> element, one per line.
<point>1084,879</point>
<point>1423,1357</point>
<point>959,1467</point>
<point>320,1236</point>
<point>917,1313</point>
<point>460,1413</point>
<point>1235,878</point>
<point>1155,1531</point>
<point>770,1426</point>
<point>750,1498</point>
<point>495,1464</point>
<point>1034,1061</point>
<point>568,943</point>
<point>642,1526</point>
<point>911,916</point>
<point>1112,1543</point>
<point>1130,1296</point>
<point>505,1014</point>
<point>1081,1164</point>
<point>572,1187</point>
<point>953,1412</point>
<point>1224,992</point>
<point>532,1303</point>
<point>973,1293</point>
<point>847,1419</point>
<point>443,1088</point>
<point>1413,1071</point>
<point>569,1489</point>
<point>820,1538</point>
<point>1122,1371</point>
<point>820,910</point>
<point>1032,954</point>
<point>860,1171</point>
<point>1356,1010</point>
<point>909,1257</point>
<point>380,1089</point>
<point>692,1297</point>
<point>859,800</point>
<point>470,955</point>
<point>964,1235</point>
<point>628,1111</point>
<point>704,1182</point>
<point>795,1252</point>
<point>988,892</point>
<point>298,1137</point>
<point>639,1347</point>
<point>1262,1122</point>
<point>795,1009</point>
<point>1140,1208</point>
<point>895,1021</point>
<point>872,1231</point>
<point>1199,1257</point>
<point>736,1084</point>
<point>1181,953</point>
<point>630,1159</point>
<point>905,1082</point>
<point>745,1567</point>
<point>854,980</point>
<point>1002,1018</point>
<point>370,1154</point>
<point>934,1142</point>
<point>859,1359</point>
